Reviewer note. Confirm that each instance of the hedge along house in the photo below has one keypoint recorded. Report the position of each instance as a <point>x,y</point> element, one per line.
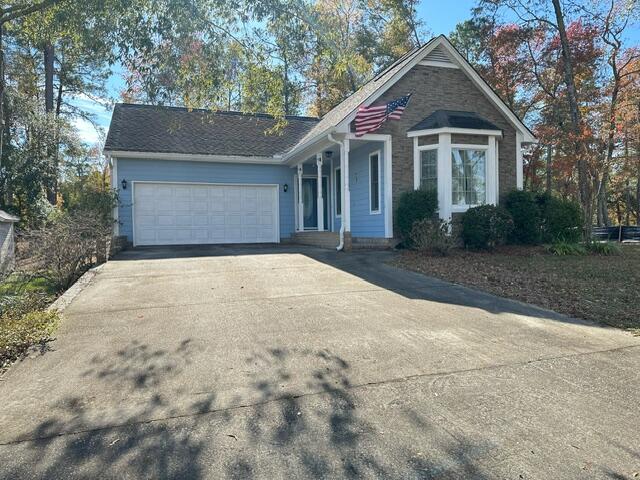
<point>204,177</point>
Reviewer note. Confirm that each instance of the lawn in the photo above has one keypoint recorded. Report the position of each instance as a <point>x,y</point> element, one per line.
<point>604,289</point>
<point>24,321</point>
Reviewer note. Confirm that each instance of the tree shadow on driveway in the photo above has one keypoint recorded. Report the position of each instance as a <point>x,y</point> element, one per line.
<point>313,425</point>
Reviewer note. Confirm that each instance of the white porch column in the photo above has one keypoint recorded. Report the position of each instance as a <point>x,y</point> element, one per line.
<point>444,176</point>
<point>346,192</point>
<point>491,186</point>
<point>300,204</point>
<point>519,162</point>
<point>320,198</point>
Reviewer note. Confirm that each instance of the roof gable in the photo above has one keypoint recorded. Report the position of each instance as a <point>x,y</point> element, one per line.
<point>437,52</point>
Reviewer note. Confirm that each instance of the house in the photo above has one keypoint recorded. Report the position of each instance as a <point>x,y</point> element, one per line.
<point>7,242</point>
<point>204,177</point>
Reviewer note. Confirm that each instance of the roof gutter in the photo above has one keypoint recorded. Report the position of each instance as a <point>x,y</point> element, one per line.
<point>341,145</point>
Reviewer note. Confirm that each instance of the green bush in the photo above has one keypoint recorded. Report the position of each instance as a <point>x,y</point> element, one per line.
<point>486,226</point>
<point>525,212</point>
<point>604,248</point>
<point>432,236</point>
<point>563,248</point>
<point>18,334</point>
<point>561,219</point>
<point>413,206</point>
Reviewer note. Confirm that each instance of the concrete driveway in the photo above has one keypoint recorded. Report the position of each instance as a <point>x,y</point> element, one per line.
<point>297,363</point>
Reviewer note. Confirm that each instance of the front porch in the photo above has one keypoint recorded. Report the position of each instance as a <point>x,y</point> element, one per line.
<point>342,192</point>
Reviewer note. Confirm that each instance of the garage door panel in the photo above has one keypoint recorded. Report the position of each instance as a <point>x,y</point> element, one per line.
<point>166,213</point>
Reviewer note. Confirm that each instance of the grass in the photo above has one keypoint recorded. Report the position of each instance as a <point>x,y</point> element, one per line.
<point>600,288</point>
<point>24,321</point>
<point>18,283</point>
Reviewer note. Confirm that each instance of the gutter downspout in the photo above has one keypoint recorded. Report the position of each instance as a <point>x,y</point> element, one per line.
<point>331,139</point>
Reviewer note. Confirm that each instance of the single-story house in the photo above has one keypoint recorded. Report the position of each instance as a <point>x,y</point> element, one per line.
<point>205,177</point>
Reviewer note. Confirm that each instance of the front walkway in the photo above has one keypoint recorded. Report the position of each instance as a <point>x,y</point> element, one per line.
<point>289,362</point>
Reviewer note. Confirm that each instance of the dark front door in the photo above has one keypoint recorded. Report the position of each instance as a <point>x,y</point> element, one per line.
<point>310,202</point>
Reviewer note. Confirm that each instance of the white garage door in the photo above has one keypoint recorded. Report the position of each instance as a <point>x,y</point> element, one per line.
<point>179,214</point>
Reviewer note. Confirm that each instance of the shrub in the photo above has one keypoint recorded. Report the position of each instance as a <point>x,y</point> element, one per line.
<point>414,206</point>
<point>525,212</point>
<point>432,236</point>
<point>18,334</point>
<point>561,219</point>
<point>67,246</point>
<point>486,226</point>
<point>604,248</point>
<point>564,248</point>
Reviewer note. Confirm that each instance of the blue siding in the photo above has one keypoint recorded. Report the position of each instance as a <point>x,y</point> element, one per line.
<point>364,223</point>
<point>204,172</point>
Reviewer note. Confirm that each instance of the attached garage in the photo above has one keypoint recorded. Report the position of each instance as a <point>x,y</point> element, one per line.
<point>166,213</point>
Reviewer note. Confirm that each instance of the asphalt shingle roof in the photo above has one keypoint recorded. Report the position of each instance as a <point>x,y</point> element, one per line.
<point>148,128</point>
<point>454,119</point>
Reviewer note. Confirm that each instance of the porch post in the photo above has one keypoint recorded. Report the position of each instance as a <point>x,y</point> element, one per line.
<point>300,204</point>
<point>320,198</point>
<point>346,196</point>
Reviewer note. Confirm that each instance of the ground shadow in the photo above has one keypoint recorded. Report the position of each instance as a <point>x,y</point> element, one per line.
<point>317,425</point>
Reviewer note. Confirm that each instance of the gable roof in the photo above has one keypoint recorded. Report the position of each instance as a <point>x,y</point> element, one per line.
<point>353,101</point>
<point>434,52</point>
<point>453,119</point>
<point>157,129</point>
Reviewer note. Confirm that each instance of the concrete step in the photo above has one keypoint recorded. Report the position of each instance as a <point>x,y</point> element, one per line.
<point>317,239</point>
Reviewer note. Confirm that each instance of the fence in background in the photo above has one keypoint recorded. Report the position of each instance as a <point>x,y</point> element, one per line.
<point>620,233</point>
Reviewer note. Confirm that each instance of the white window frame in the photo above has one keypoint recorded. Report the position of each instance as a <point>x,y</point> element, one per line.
<point>417,161</point>
<point>466,146</point>
<point>335,192</point>
<point>379,210</point>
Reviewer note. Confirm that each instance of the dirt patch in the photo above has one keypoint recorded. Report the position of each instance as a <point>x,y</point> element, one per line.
<point>599,288</point>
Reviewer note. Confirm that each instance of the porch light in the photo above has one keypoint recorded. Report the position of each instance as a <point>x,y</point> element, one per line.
<point>285,187</point>
<point>124,184</point>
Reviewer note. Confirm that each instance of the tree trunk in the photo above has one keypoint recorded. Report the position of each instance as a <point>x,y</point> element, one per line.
<point>602,208</point>
<point>638,195</point>
<point>576,122</point>
<point>549,171</point>
<point>48,77</point>
<point>2,88</point>
<point>49,53</point>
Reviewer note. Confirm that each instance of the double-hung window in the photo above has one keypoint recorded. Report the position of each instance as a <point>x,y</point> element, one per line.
<point>468,176</point>
<point>374,182</point>
<point>429,169</point>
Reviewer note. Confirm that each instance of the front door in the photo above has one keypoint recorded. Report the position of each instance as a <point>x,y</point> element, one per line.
<point>310,202</point>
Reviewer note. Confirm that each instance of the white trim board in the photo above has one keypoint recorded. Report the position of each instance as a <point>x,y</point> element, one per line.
<point>191,157</point>
<point>454,131</point>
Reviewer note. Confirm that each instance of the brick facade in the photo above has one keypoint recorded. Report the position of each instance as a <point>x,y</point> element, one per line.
<point>436,88</point>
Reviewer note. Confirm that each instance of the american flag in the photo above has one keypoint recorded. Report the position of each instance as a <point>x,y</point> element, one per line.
<point>369,119</point>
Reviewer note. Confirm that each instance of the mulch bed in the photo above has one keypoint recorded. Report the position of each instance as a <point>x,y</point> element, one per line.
<point>604,289</point>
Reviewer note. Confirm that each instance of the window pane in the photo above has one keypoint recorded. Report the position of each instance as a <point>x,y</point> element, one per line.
<point>374,183</point>
<point>429,169</point>
<point>468,176</point>
<point>338,192</point>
